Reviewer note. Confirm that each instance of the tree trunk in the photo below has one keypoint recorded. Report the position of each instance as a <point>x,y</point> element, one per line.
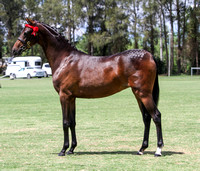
<point>183,35</point>
<point>90,32</point>
<point>165,33</point>
<point>135,26</point>
<point>161,43</point>
<point>10,35</point>
<point>179,38</point>
<point>103,29</point>
<point>195,36</point>
<point>152,37</point>
<point>90,8</point>
<point>73,33</point>
<point>197,55</point>
<point>69,21</point>
<point>0,53</point>
<point>172,39</point>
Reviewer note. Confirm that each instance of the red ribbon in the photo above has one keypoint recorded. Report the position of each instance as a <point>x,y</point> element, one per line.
<point>35,29</point>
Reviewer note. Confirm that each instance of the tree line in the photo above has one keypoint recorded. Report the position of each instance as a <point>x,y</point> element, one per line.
<point>111,26</point>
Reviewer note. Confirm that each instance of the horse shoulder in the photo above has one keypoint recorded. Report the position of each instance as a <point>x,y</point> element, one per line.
<point>66,75</point>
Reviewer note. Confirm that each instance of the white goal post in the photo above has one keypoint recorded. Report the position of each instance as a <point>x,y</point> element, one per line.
<point>192,68</point>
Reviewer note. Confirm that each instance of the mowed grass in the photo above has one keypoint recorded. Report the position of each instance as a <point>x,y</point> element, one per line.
<point>109,130</point>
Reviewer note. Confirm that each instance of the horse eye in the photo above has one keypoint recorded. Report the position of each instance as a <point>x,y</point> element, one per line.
<point>25,34</point>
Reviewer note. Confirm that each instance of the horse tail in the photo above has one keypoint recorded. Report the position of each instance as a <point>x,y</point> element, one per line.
<point>156,86</point>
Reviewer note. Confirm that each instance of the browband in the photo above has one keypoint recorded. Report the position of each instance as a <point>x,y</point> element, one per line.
<point>35,29</point>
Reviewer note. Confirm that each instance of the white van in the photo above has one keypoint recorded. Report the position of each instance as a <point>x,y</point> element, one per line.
<point>47,68</point>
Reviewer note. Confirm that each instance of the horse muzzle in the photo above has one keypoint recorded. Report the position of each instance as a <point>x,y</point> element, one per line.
<point>17,52</point>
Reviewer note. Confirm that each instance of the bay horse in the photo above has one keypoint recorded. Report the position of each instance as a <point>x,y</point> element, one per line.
<point>78,75</point>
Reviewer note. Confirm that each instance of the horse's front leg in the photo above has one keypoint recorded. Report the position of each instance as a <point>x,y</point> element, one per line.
<point>65,104</point>
<point>72,125</point>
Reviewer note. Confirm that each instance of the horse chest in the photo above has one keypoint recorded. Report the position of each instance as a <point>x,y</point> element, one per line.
<point>65,79</point>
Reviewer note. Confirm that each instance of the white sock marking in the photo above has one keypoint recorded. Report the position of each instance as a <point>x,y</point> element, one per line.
<point>158,151</point>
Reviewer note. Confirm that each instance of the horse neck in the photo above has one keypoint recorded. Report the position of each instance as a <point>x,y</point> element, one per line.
<point>54,49</point>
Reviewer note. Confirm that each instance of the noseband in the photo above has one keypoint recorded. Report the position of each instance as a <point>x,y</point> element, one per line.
<point>27,44</point>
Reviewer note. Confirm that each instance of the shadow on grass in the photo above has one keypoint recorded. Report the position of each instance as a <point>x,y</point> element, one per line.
<point>164,153</point>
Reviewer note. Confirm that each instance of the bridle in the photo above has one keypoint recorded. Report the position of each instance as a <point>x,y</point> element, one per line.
<point>27,43</point>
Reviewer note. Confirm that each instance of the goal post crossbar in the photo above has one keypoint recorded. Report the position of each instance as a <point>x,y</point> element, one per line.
<point>192,68</point>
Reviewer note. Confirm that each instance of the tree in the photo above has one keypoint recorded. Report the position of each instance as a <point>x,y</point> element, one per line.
<point>2,28</point>
<point>90,8</point>
<point>13,14</point>
<point>69,21</point>
<point>179,36</point>
<point>193,34</point>
<point>161,32</point>
<point>149,24</point>
<point>52,11</point>
<point>171,17</point>
<point>163,29</point>
<point>184,13</point>
<point>117,26</point>
<point>110,25</point>
<point>181,12</point>
<point>134,8</point>
<point>33,9</point>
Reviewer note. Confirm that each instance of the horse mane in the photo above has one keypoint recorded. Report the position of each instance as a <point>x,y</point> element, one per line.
<point>59,36</point>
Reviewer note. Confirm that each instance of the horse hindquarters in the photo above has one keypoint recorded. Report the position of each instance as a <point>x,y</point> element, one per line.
<point>146,90</point>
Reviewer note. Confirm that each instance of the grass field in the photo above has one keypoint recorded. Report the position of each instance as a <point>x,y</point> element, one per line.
<point>109,130</point>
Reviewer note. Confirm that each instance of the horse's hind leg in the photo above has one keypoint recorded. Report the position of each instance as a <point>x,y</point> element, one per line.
<point>147,121</point>
<point>156,116</point>
<point>147,105</point>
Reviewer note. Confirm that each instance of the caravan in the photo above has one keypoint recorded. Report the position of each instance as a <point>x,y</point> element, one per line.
<point>22,62</point>
<point>28,61</point>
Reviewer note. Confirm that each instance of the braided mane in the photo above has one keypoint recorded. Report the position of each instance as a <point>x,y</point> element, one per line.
<point>59,36</point>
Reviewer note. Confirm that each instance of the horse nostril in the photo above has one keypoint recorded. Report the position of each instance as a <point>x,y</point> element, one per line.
<point>14,52</point>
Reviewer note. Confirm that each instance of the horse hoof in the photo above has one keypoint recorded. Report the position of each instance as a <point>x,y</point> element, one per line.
<point>158,152</point>
<point>157,155</point>
<point>70,152</point>
<point>139,153</point>
<point>61,154</point>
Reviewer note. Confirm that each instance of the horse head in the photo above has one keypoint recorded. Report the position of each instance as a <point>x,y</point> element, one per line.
<point>27,38</point>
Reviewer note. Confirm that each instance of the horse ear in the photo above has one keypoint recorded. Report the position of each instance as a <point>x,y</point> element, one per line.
<point>29,21</point>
